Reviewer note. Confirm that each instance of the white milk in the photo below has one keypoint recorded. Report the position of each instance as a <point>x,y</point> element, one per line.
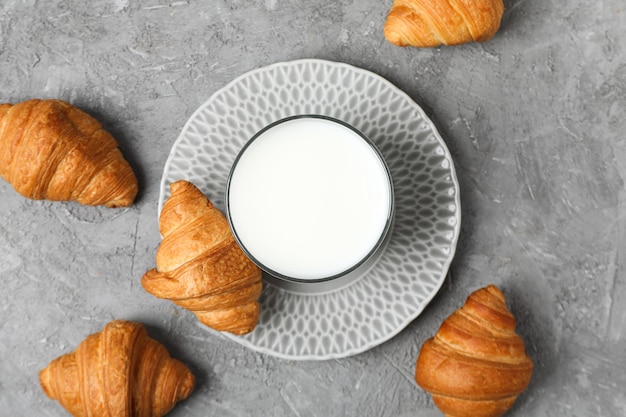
<point>309,198</point>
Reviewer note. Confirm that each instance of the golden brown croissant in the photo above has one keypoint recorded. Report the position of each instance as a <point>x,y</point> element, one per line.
<point>51,150</point>
<point>476,364</point>
<point>118,372</point>
<point>200,266</point>
<point>427,23</point>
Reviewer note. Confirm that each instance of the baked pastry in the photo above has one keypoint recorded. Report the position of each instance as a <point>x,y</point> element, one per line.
<point>51,150</point>
<point>428,23</point>
<point>118,372</point>
<point>201,267</point>
<point>475,365</point>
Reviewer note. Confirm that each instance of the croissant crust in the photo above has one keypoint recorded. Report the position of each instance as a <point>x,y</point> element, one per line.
<point>51,150</point>
<point>200,267</point>
<point>476,364</point>
<point>118,372</point>
<point>428,23</point>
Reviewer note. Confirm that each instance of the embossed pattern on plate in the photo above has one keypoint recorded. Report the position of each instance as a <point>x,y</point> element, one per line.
<point>428,213</point>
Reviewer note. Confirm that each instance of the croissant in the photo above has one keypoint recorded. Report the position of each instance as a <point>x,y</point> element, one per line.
<point>475,365</point>
<point>51,150</point>
<point>118,372</point>
<point>428,23</point>
<point>201,267</point>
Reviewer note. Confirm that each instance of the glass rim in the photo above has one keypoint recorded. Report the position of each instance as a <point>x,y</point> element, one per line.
<point>380,243</point>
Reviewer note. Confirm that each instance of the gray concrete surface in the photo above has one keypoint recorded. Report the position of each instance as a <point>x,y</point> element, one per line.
<point>534,119</point>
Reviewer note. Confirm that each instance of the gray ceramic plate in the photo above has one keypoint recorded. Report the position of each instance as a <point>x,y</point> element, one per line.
<point>423,242</point>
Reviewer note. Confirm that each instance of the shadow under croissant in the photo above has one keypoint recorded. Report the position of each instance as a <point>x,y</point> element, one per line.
<point>513,12</point>
<point>528,304</point>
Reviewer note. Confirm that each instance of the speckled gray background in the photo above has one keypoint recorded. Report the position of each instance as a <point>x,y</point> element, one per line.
<point>534,119</point>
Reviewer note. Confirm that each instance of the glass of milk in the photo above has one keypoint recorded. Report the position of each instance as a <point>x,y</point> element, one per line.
<point>310,200</point>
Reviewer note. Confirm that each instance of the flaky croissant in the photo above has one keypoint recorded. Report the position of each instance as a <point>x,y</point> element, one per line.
<point>51,150</point>
<point>428,23</point>
<point>118,372</point>
<point>201,267</point>
<point>476,364</point>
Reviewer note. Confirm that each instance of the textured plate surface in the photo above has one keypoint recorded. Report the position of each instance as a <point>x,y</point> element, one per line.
<point>423,242</point>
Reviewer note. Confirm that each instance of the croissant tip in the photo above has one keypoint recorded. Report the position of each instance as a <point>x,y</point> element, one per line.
<point>392,36</point>
<point>237,329</point>
<point>179,185</point>
<point>187,386</point>
<point>44,382</point>
<point>493,290</point>
<point>121,203</point>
